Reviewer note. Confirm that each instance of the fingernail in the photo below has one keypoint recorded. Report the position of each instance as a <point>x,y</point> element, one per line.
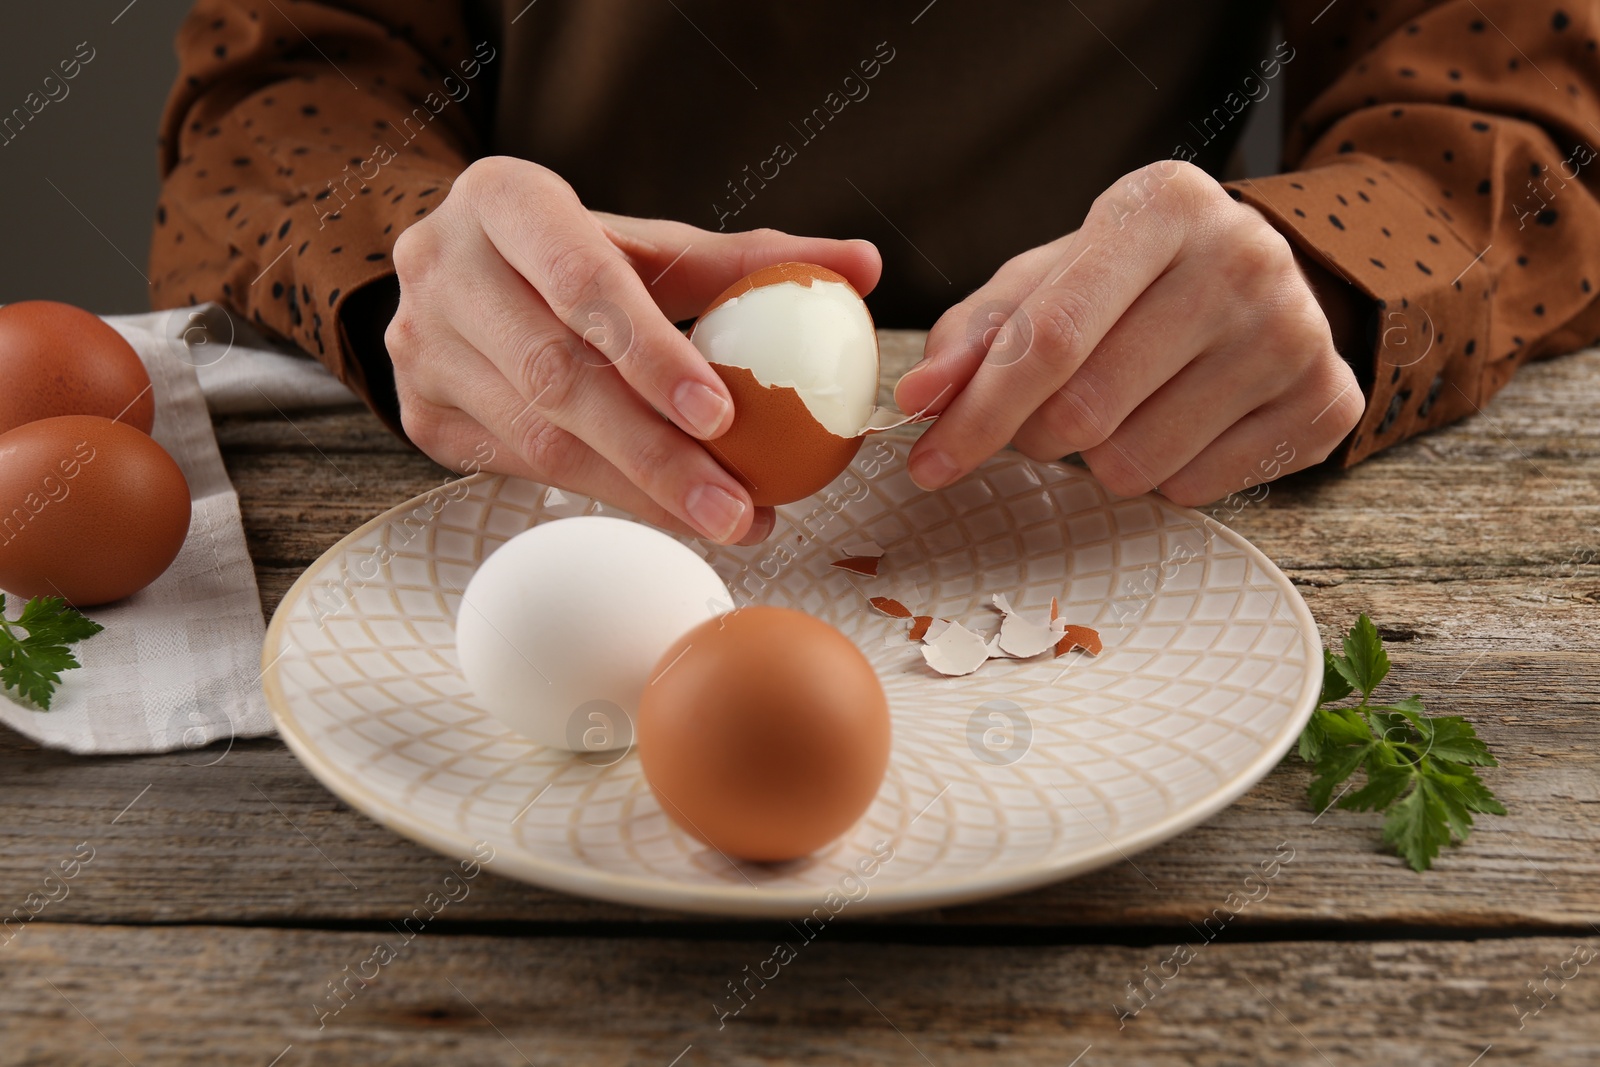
<point>932,470</point>
<point>715,511</point>
<point>702,407</point>
<point>760,528</point>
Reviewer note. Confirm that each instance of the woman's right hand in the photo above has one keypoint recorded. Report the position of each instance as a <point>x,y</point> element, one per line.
<point>535,338</point>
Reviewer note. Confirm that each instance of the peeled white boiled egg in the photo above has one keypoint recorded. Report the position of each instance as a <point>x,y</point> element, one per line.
<point>560,627</point>
<point>795,345</point>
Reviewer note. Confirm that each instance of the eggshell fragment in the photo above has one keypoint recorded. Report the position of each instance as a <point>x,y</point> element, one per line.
<point>955,651</point>
<point>890,607</point>
<point>951,649</point>
<point>1079,637</point>
<point>1075,636</point>
<point>866,566</point>
<point>1021,637</point>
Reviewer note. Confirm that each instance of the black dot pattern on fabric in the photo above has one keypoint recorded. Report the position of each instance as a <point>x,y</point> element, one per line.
<point>1425,174</point>
<point>1499,239</point>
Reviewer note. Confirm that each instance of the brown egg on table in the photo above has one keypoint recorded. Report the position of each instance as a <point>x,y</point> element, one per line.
<point>764,733</point>
<point>91,510</point>
<point>795,345</point>
<point>56,359</point>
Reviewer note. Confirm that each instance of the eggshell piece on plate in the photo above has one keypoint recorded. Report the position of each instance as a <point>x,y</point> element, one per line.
<point>56,360</point>
<point>1079,637</point>
<point>91,510</point>
<point>954,650</point>
<point>1072,637</point>
<point>1021,637</point>
<point>889,606</point>
<point>765,734</point>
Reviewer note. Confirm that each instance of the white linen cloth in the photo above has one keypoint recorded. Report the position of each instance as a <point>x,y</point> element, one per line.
<point>178,665</point>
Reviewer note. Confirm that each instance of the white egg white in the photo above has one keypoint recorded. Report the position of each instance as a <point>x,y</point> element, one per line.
<point>817,339</point>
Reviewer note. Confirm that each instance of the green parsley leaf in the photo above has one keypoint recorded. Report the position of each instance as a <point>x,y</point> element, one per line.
<point>1385,783</point>
<point>1313,739</point>
<point>1455,740</point>
<point>1417,826</point>
<point>1336,764</point>
<point>1418,767</point>
<point>1364,663</point>
<point>35,647</point>
<point>1335,686</point>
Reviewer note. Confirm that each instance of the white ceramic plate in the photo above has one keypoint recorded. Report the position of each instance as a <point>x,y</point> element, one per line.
<point>1021,774</point>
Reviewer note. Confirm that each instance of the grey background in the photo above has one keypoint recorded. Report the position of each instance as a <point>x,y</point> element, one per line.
<point>78,186</point>
<point>97,145</point>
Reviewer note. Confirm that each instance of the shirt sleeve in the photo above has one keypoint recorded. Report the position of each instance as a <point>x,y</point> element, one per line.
<point>298,142</point>
<point>1443,165</point>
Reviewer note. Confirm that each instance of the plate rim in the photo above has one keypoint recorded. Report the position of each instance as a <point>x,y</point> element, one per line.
<point>741,901</point>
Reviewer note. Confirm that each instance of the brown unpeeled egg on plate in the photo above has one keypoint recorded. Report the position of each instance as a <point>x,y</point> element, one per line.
<point>764,733</point>
<point>795,345</point>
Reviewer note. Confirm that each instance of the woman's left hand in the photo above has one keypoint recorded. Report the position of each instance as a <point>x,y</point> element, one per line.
<point>1172,341</point>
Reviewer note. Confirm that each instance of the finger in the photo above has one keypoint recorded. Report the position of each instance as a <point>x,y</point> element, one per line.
<point>955,345</point>
<point>1298,430</point>
<point>1164,330</point>
<point>548,237</point>
<point>509,335</point>
<point>471,448</point>
<point>1185,415</point>
<point>459,441</point>
<point>761,527</point>
<point>1101,273</point>
<point>685,268</point>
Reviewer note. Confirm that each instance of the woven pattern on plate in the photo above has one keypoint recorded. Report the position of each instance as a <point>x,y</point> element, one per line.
<point>1023,772</point>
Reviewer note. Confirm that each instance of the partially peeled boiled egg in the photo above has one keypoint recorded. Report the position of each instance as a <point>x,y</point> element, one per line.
<point>795,345</point>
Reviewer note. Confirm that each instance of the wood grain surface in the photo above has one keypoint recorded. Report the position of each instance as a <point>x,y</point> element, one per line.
<point>227,887</point>
<point>207,995</point>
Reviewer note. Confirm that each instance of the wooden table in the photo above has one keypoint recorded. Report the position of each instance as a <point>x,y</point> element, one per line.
<point>228,891</point>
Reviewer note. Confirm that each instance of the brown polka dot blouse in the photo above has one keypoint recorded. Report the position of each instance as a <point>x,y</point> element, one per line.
<point>1440,157</point>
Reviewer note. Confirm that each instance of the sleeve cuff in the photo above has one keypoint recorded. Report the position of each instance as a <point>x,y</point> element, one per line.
<point>1363,221</point>
<point>363,316</point>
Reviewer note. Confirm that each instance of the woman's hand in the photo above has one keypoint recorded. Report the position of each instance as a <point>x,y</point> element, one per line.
<point>534,338</point>
<point>1172,341</point>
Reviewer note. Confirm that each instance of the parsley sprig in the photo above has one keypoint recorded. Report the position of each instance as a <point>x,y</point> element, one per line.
<point>1419,767</point>
<point>35,647</point>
